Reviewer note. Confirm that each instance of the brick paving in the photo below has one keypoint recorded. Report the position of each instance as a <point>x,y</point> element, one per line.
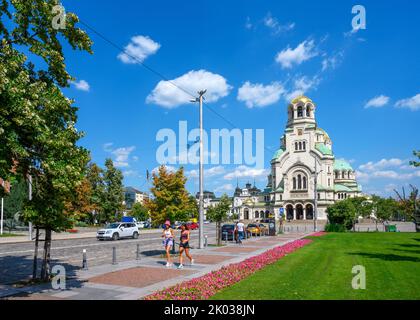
<point>139,277</point>
<point>210,259</point>
<point>238,249</point>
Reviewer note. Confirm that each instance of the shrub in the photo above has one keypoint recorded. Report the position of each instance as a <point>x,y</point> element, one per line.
<point>335,227</point>
<point>81,224</point>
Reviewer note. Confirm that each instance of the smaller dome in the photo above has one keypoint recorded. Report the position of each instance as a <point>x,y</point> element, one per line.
<point>277,154</point>
<point>301,98</point>
<point>340,165</point>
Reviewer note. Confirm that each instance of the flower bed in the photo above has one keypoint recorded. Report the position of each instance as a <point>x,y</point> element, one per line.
<point>318,234</point>
<point>208,285</point>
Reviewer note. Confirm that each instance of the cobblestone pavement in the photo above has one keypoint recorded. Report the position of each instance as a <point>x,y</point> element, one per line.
<point>134,279</point>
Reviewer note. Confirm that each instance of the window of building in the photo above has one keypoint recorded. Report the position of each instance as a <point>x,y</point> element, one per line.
<point>308,111</point>
<point>300,112</point>
<point>319,196</point>
<point>342,174</point>
<point>304,145</point>
<point>304,183</point>
<point>329,182</point>
<point>294,183</point>
<point>296,146</point>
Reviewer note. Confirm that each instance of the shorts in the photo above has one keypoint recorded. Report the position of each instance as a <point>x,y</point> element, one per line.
<point>168,242</point>
<point>184,245</point>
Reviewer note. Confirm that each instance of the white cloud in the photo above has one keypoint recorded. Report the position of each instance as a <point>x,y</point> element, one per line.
<point>224,188</point>
<point>331,62</point>
<point>168,168</point>
<point>248,24</point>
<point>377,102</point>
<point>167,93</point>
<point>130,173</point>
<point>82,85</point>
<point>303,52</point>
<point>412,103</point>
<point>121,156</point>
<point>246,172</point>
<point>273,24</point>
<point>138,50</point>
<point>258,95</point>
<point>382,164</point>
<point>302,85</point>
<point>214,171</point>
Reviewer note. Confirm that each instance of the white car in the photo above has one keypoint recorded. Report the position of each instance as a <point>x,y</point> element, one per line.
<point>118,230</point>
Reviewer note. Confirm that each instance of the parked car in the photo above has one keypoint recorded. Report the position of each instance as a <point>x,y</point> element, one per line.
<point>253,229</point>
<point>228,232</point>
<point>118,230</point>
<point>263,228</point>
<point>193,225</point>
<point>206,221</point>
<point>141,224</point>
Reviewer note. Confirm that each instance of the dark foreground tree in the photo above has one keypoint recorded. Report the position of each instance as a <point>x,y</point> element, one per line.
<point>37,122</point>
<point>219,214</point>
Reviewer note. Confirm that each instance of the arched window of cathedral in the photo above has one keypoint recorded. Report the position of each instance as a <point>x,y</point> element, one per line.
<point>299,181</point>
<point>294,183</point>
<point>336,174</point>
<point>304,183</point>
<point>300,145</point>
<point>308,111</point>
<point>348,174</point>
<point>300,112</point>
<point>296,146</point>
<point>342,174</point>
<point>257,214</point>
<point>304,145</point>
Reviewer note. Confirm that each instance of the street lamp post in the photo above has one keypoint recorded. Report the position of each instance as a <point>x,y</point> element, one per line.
<point>315,196</point>
<point>201,172</point>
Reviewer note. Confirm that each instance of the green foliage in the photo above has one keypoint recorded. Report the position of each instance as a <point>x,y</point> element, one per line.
<point>334,227</point>
<point>170,201</point>
<point>139,212</point>
<point>112,203</point>
<point>416,163</point>
<point>14,201</point>
<point>384,209</point>
<point>220,212</point>
<point>342,213</point>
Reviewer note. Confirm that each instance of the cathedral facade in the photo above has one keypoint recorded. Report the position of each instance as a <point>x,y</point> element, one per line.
<point>303,169</point>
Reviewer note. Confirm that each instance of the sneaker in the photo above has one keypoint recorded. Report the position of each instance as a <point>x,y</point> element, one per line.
<point>192,262</point>
<point>180,266</point>
<point>168,265</point>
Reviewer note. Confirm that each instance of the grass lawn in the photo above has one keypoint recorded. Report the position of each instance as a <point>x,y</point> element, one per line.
<point>322,270</point>
<point>6,235</point>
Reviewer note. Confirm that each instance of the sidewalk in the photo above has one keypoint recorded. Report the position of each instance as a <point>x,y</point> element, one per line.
<point>62,236</point>
<point>132,280</point>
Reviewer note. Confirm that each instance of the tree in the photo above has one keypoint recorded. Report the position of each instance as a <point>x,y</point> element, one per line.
<point>95,177</point>
<point>114,192</point>
<point>139,212</point>
<point>362,207</point>
<point>410,206</point>
<point>80,205</point>
<point>416,163</point>
<point>15,200</point>
<point>384,209</point>
<point>342,213</point>
<point>38,137</point>
<point>219,214</point>
<point>170,199</point>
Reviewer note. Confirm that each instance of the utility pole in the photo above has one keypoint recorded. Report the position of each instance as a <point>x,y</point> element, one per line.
<point>315,195</point>
<point>201,172</point>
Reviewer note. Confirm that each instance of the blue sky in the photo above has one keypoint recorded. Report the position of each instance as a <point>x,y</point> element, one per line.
<point>253,56</point>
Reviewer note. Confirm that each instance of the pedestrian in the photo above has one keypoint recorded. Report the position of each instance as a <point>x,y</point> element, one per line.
<point>240,227</point>
<point>184,245</point>
<point>168,242</point>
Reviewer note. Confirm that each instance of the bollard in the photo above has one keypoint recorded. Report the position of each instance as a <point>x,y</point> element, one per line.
<point>84,263</point>
<point>205,241</point>
<point>114,255</point>
<point>368,229</point>
<point>138,252</point>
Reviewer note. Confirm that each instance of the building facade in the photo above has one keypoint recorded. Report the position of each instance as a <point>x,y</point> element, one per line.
<point>305,162</point>
<point>132,196</point>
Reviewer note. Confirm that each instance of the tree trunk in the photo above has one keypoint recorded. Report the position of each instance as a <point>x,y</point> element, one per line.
<point>35,264</point>
<point>45,270</point>
<point>219,239</point>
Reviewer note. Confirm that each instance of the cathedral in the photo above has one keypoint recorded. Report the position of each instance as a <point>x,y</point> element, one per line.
<point>302,169</point>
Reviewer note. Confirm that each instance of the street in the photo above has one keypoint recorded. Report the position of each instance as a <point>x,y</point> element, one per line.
<point>16,259</point>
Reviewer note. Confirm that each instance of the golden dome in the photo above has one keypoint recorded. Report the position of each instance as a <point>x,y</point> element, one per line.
<point>301,98</point>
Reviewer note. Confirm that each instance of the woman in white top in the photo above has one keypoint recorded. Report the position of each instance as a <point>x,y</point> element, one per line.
<point>168,242</point>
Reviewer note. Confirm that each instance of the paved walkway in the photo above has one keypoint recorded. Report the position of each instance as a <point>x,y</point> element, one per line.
<point>132,280</point>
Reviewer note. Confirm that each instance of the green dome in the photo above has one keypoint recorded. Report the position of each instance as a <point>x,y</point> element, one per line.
<point>340,165</point>
<point>277,154</point>
<point>321,147</point>
<point>342,188</point>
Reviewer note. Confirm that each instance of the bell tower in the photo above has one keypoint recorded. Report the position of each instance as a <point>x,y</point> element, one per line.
<point>300,111</point>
